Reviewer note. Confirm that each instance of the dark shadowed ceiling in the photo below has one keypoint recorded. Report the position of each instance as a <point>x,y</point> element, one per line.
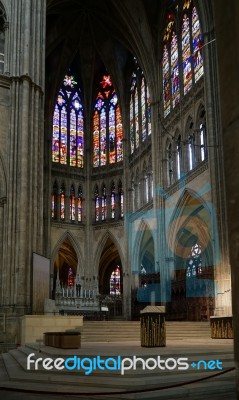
<point>96,34</point>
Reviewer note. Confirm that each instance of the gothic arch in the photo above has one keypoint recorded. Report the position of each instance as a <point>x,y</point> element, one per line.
<point>200,225</point>
<point>67,236</point>
<point>109,261</point>
<point>101,245</point>
<point>142,228</point>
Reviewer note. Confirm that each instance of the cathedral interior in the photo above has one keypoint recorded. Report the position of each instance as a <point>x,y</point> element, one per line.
<point>118,158</point>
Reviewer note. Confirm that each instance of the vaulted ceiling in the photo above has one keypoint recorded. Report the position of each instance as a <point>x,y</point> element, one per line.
<point>94,33</point>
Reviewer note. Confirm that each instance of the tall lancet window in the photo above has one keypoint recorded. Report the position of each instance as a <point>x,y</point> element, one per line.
<point>186,54</point>
<point>79,204</point>
<point>140,109</point>
<point>182,61</point>
<point>115,281</point>
<point>72,204</point>
<point>121,199</point>
<point>179,157</point>
<point>112,200</point>
<point>107,125</point>
<point>169,57</point>
<point>97,205</point>
<point>191,46</point>
<point>62,202</point>
<point>68,125</point>
<point>103,204</point>
<point>54,202</point>
<point>197,46</point>
<point>174,71</point>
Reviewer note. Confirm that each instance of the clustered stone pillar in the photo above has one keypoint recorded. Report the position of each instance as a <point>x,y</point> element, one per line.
<point>24,207</point>
<point>227,33</point>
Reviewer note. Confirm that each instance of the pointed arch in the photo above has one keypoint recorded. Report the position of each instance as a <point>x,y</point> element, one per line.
<point>67,236</point>
<point>108,235</point>
<point>142,228</point>
<point>191,219</point>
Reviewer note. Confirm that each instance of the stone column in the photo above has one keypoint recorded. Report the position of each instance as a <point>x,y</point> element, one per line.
<point>25,149</point>
<point>227,33</point>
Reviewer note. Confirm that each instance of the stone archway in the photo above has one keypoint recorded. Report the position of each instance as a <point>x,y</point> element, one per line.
<point>146,285</point>
<point>65,264</point>
<point>111,279</point>
<point>192,280</point>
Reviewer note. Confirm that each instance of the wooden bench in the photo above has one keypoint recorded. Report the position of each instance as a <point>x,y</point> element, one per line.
<point>63,340</point>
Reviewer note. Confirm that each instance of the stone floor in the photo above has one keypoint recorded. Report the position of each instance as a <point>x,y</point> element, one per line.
<point>52,385</point>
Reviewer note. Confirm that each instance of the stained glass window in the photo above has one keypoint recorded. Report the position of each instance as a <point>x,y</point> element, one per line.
<point>148,111</point>
<point>191,150</point>
<point>203,141</point>
<point>103,204</point>
<point>136,116</point>
<point>112,201</point>
<point>166,63</point>
<point>140,109</point>
<point>194,266</point>
<point>79,204</point>
<point>107,126</point>
<point>143,109</point>
<point>132,118</point>
<point>189,64</point>
<point>72,204</point>
<point>70,277</point>
<point>68,125</point>
<point>166,82</point>
<point>115,282</point>
<point>62,202</point>
<point>96,139</point>
<point>54,201</point>
<point>121,200</point>
<point>197,46</point>
<point>179,157</point>
<point>186,53</point>
<point>112,127</point>
<point>119,135</point>
<point>174,71</point>
<point>97,205</point>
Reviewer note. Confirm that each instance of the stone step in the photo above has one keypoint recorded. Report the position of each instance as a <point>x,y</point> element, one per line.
<point>115,331</point>
<point>109,382</point>
<point>15,363</point>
